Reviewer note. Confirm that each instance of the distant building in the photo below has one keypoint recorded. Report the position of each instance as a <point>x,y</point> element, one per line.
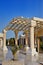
<point>22,40</point>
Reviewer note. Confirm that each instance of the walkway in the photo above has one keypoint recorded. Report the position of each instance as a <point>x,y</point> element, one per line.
<point>1,56</point>
<point>24,60</point>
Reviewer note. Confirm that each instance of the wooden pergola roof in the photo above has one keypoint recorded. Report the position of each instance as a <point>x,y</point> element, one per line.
<point>18,24</point>
<point>21,23</point>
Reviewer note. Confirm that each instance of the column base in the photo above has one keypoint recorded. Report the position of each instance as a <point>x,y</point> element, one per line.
<point>32,54</point>
<point>5,48</point>
<point>27,48</point>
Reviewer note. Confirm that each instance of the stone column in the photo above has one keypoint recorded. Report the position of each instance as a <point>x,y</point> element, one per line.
<point>32,37</point>
<point>33,50</point>
<point>1,43</point>
<point>38,44</point>
<point>16,38</point>
<point>21,40</point>
<point>26,39</point>
<point>8,42</point>
<point>4,39</point>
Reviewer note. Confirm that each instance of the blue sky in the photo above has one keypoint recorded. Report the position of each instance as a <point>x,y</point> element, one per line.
<point>14,8</point>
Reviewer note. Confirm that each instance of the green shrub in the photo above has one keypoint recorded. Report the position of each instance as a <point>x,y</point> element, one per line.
<point>14,49</point>
<point>41,45</point>
<point>20,46</point>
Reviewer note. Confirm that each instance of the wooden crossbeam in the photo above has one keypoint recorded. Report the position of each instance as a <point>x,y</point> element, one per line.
<point>20,23</point>
<point>17,23</point>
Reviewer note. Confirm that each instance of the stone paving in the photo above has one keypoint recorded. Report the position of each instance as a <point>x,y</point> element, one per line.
<point>1,56</point>
<point>23,60</point>
<point>12,63</point>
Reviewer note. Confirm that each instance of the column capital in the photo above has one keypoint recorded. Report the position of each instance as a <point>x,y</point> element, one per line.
<point>32,23</point>
<point>16,31</point>
<point>4,31</point>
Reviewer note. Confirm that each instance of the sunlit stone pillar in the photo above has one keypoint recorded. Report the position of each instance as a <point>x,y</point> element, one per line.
<point>4,39</point>
<point>26,39</point>
<point>8,42</point>
<point>16,38</point>
<point>32,38</point>
<point>33,50</point>
<point>1,43</point>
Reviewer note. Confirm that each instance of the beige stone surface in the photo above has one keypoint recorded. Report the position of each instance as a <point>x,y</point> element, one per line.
<point>12,63</point>
<point>1,34</point>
